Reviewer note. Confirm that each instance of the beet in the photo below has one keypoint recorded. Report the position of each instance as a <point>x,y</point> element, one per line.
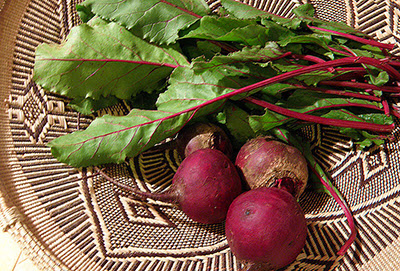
<point>202,135</point>
<point>204,185</point>
<point>265,229</point>
<point>265,162</point>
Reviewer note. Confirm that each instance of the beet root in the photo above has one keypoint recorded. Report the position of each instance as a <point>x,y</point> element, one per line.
<point>203,135</point>
<point>265,162</point>
<point>206,183</point>
<point>265,229</point>
<point>204,186</point>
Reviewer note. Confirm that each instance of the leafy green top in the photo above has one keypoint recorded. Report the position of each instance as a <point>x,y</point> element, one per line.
<point>247,69</point>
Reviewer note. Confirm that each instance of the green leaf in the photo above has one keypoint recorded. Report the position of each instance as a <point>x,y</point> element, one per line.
<point>158,21</point>
<point>320,40</point>
<point>187,90</point>
<point>246,32</point>
<point>245,62</point>
<point>205,80</point>
<point>88,106</point>
<point>237,122</point>
<point>244,11</point>
<point>84,13</point>
<point>102,59</point>
<point>110,139</point>
<point>269,120</point>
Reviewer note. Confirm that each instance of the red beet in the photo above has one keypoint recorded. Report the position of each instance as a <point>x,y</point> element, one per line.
<point>264,162</point>
<point>203,135</point>
<point>265,229</point>
<point>204,186</point>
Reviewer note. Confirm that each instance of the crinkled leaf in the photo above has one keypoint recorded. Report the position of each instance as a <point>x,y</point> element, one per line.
<point>269,120</point>
<point>242,60</point>
<point>158,21</point>
<point>320,40</point>
<point>188,89</point>
<point>102,59</point>
<point>191,86</point>
<point>306,13</point>
<point>276,32</point>
<point>244,11</point>
<point>246,32</point>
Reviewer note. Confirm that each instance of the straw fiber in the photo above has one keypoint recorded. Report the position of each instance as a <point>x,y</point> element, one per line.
<point>70,220</point>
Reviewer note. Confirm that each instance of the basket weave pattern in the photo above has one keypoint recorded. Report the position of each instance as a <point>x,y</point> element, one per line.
<point>70,220</point>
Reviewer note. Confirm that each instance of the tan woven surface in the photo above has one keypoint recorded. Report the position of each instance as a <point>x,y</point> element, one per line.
<point>68,223</point>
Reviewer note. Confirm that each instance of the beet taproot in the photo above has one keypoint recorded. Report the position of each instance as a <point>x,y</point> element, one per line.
<point>266,162</point>
<point>265,228</point>
<point>204,186</point>
<point>201,135</point>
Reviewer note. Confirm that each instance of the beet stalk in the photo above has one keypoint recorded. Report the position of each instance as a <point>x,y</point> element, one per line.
<point>204,185</point>
<point>326,182</point>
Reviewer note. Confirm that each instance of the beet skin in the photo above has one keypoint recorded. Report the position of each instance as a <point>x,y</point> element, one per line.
<point>205,184</point>
<point>266,228</point>
<point>203,135</point>
<point>263,161</point>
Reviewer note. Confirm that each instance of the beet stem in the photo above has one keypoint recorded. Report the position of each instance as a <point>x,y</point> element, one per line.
<point>360,86</point>
<point>166,197</point>
<point>339,199</point>
<point>325,180</point>
<point>314,59</point>
<point>322,120</point>
<point>341,93</point>
<point>355,38</point>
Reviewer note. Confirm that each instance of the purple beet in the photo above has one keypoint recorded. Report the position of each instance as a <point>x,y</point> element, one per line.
<point>204,186</point>
<point>265,229</point>
<point>265,162</point>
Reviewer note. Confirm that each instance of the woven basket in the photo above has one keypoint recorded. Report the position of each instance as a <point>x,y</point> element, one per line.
<point>64,222</point>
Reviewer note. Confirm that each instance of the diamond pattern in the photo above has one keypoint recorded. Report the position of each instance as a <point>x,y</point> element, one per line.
<point>35,112</point>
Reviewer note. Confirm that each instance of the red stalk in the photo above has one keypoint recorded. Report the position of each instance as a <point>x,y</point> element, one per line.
<point>346,210</point>
<point>167,197</point>
<point>355,38</point>
<point>342,93</point>
<point>325,180</point>
<point>360,85</point>
<point>314,59</point>
<point>322,120</point>
<point>340,52</point>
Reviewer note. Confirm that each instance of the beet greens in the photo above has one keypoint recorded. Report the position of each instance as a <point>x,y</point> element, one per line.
<point>249,70</point>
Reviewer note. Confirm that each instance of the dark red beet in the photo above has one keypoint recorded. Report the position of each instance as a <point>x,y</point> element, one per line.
<point>206,183</point>
<point>204,186</point>
<point>203,135</point>
<point>264,162</point>
<point>266,228</point>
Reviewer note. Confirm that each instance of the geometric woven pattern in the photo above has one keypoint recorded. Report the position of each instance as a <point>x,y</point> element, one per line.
<point>74,219</point>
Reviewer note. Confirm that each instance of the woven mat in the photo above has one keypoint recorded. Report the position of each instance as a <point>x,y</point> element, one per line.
<point>66,222</point>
